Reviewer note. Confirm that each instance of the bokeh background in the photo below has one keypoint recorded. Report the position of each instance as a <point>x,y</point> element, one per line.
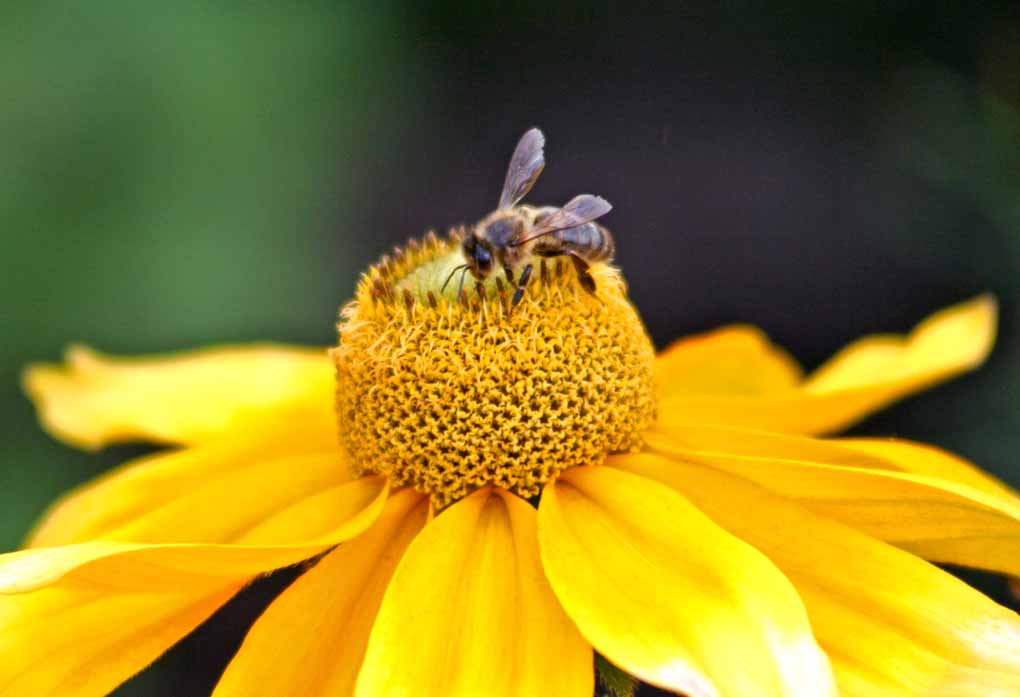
<point>180,174</point>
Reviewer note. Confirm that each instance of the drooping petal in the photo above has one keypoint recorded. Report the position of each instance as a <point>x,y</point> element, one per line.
<point>892,623</point>
<point>669,596</point>
<point>867,375</point>
<point>349,510</point>
<point>73,641</point>
<point>731,360</point>
<point>469,613</point>
<point>312,639</point>
<point>938,519</point>
<point>93,400</point>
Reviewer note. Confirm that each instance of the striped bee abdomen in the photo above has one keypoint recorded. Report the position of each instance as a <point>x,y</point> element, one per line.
<point>590,241</point>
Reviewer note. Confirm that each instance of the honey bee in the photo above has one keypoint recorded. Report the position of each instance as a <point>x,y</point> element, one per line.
<point>512,235</point>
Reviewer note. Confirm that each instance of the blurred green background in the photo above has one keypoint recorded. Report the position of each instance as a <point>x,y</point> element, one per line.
<point>179,174</point>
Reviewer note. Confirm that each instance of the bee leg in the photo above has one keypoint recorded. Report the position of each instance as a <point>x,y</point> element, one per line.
<point>521,285</point>
<point>460,288</point>
<point>509,273</point>
<point>583,273</point>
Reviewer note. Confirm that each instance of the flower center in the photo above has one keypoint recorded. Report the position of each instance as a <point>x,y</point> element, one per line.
<point>448,395</point>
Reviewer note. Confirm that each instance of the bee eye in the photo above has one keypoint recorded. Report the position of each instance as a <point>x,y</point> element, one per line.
<point>483,258</point>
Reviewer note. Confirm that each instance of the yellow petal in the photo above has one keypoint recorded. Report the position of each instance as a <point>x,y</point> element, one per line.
<point>350,509</point>
<point>469,613</point>
<point>732,360</point>
<point>93,400</point>
<point>952,340</point>
<point>131,490</point>
<point>920,458</point>
<point>70,641</point>
<point>887,619</point>
<point>704,441</point>
<point>670,597</point>
<point>312,639</point>
<point>866,376</point>
<point>938,519</point>
<point>873,657</point>
<point>322,516</point>
<point>208,493</point>
<point>226,507</point>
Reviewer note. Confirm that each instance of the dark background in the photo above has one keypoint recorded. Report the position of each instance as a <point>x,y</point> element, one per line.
<point>179,174</point>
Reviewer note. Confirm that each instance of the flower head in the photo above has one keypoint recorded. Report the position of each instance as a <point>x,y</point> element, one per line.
<point>512,489</point>
<point>450,395</point>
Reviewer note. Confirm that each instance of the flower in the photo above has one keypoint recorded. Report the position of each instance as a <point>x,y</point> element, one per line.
<point>513,488</point>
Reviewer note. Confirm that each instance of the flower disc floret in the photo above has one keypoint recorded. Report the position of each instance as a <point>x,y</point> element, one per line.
<point>449,391</point>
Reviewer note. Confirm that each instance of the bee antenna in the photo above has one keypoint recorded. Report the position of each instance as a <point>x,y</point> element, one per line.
<point>450,277</point>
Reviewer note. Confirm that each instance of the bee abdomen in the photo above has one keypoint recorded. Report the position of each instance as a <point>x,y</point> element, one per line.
<point>590,241</point>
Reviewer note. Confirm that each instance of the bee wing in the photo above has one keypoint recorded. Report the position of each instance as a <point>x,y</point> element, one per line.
<point>578,211</point>
<point>525,166</point>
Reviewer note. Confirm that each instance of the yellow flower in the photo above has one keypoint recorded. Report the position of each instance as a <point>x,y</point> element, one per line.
<point>689,523</point>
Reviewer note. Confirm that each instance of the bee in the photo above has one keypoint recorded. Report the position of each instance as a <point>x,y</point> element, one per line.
<point>513,235</point>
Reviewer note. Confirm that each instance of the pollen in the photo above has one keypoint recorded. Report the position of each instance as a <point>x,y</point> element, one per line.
<point>450,390</point>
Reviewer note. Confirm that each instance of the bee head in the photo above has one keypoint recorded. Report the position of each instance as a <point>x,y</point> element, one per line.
<point>478,254</point>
